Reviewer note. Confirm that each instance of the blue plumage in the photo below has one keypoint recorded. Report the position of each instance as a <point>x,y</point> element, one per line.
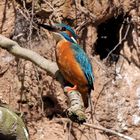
<point>67,37</point>
<point>84,63</point>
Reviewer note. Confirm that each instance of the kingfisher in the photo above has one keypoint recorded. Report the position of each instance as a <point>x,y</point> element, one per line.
<point>73,62</point>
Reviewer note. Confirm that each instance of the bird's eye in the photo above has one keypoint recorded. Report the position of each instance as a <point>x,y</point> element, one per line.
<point>63,29</point>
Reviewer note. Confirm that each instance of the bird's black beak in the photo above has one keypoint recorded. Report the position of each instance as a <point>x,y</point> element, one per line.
<point>48,27</point>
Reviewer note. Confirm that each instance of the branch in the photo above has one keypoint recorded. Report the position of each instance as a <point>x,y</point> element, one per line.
<point>54,11</point>
<point>120,39</point>
<point>15,49</point>
<point>84,10</point>
<point>97,128</point>
<point>76,110</point>
<point>109,131</point>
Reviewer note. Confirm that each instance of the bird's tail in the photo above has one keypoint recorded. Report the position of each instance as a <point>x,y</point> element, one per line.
<point>87,99</point>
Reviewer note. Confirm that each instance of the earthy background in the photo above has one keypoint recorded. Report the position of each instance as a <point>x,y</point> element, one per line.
<point>109,31</point>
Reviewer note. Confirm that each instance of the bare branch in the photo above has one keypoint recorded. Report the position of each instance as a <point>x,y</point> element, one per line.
<point>98,128</point>
<point>120,39</point>
<point>109,131</point>
<point>54,11</point>
<point>15,49</point>
<point>31,24</point>
<point>84,10</point>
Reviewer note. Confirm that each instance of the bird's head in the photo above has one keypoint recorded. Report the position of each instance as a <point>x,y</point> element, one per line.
<point>61,31</point>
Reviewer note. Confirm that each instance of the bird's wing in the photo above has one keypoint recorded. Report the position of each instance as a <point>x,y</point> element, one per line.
<point>84,62</point>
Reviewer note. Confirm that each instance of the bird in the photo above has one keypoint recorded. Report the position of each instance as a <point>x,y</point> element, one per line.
<point>74,64</point>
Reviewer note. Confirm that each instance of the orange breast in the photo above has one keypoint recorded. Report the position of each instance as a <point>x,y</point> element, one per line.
<point>68,65</point>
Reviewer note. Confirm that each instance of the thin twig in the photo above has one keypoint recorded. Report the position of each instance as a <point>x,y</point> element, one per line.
<point>40,88</point>
<point>4,16</point>
<point>31,24</point>
<point>102,66</point>
<point>99,128</point>
<point>25,9</point>
<point>54,11</point>
<point>26,15</point>
<point>120,41</point>
<point>109,131</point>
<point>81,25</point>
<point>120,33</point>
<point>23,14</point>
<point>84,10</point>
<point>69,130</point>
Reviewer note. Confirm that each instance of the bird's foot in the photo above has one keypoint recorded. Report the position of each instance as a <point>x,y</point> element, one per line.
<point>69,89</point>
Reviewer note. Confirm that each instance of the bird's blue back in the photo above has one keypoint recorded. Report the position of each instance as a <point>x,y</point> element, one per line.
<point>84,63</point>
